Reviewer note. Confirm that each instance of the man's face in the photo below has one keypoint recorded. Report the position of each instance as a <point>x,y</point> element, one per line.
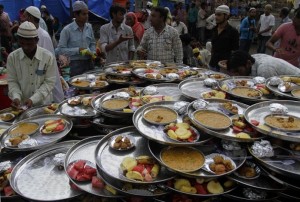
<point>118,17</point>
<point>26,17</point>
<point>28,45</point>
<point>267,10</point>
<point>220,18</point>
<point>83,16</point>
<point>155,18</point>
<point>252,13</point>
<point>129,20</point>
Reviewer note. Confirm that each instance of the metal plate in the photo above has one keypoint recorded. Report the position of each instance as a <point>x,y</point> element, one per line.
<point>214,104</point>
<point>205,195</point>
<point>291,183</point>
<point>275,90</point>
<point>31,112</point>
<point>264,182</point>
<point>84,150</point>
<point>260,110</point>
<point>193,88</point>
<point>73,111</point>
<point>156,133</point>
<point>292,170</point>
<point>166,89</point>
<point>36,178</point>
<point>138,190</point>
<point>230,83</point>
<point>109,160</point>
<point>42,140</point>
<point>211,74</point>
<point>83,77</point>
<point>7,110</point>
<point>239,157</point>
<point>13,159</point>
<point>4,125</point>
<point>98,100</point>
<point>237,195</point>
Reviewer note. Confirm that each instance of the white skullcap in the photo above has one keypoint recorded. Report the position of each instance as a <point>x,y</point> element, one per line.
<point>79,5</point>
<point>34,11</point>
<point>27,30</point>
<point>223,9</point>
<point>43,6</point>
<point>149,4</point>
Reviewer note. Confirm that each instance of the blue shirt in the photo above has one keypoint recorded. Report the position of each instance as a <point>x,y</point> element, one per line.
<point>245,32</point>
<point>72,38</point>
<point>193,15</point>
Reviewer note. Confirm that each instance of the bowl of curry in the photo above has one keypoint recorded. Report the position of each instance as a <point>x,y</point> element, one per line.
<point>247,92</point>
<point>159,115</point>
<point>25,128</point>
<point>182,159</point>
<point>283,122</point>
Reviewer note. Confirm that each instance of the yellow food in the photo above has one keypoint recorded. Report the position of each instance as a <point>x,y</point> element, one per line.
<point>6,117</point>
<point>81,83</point>
<point>154,170</point>
<point>24,128</point>
<point>181,182</point>
<point>183,125</point>
<point>128,163</point>
<point>115,104</point>
<point>228,184</point>
<point>188,189</point>
<point>243,135</point>
<point>172,134</point>
<point>214,187</point>
<point>212,119</point>
<point>246,92</point>
<point>182,158</point>
<point>134,175</point>
<point>110,189</point>
<point>145,160</point>
<point>283,122</point>
<point>161,115</point>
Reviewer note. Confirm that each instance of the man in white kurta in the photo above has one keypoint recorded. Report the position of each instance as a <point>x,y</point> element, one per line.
<point>31,70</point>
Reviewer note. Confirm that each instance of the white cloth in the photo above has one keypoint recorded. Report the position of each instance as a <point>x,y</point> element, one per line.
<point>147,23</point>
<point>180,27</point>
<point>109,34</point>
<point>201,22</point>
<point>45,42</point>
<point>43,25</point>
<point>266,22</point>
<point>268,66</point>
<point>211,22</point>
<point>24,82</point>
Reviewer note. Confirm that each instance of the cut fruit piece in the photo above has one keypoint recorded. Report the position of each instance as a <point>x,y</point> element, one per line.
<point>181,131</point>
<point>214,187</point>
<point>181,182</point>
<point>187,135</point>
<point>183,125</point>
<point>228,184</point>
<point>172,134</point>
<point>188,189</point>
<point>145,160</point>
<point>128,163</point>
<point>134,175</point>
<point>243,135</point>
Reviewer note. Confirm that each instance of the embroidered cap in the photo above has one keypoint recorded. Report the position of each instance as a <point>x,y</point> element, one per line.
<point>79,5</point>
<point>223,9</point>
<point>34,11</point>
<point>27,30</point>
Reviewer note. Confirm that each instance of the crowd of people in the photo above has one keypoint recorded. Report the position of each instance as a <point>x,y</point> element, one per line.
<point>190,35</point>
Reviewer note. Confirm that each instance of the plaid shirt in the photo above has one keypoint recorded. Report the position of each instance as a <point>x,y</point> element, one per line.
<point>165,46</point>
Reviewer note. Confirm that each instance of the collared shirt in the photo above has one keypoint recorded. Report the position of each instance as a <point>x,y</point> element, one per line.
<point>109,34</point>
<point>180,27</point>
<point>24,79</point>
<point>72,38</point>
<point>268,66</point>
<point>46,42</point>
<point>223,44</point>
<point>265,22</point>
<point>5,24</point>
<point>165,46</point>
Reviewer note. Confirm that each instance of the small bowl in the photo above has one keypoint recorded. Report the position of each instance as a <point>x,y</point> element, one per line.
<point>209,159</point>
<point>71,166</point>
<point>160,112</point>
<point>113,103</point>
<point>112,142</point>
<point>296,93</point>
<point>282,116</point>
<point>260,94</point>
<point>251,165</point>
<point>21,131</point>
<point>7,117</point>
<point>182,140</point>
<point>74,101</point>
<point>194,114</point>
<point>50,133</point>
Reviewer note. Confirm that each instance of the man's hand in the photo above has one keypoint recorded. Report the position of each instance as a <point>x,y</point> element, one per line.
<point>16,103</point>
<point>28,103</point>
<point>142,54</point>
<point>124,38</point>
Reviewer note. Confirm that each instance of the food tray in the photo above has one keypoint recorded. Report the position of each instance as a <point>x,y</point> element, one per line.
<point>226,190</point>
<point>84,150</point>
<point>34,111</point>
<point>239,157</point>
<point>78,111</point>
<point>4,125</point>
<point>84,77</point>
<point>138,190</point>
<point>156,133</point>
<point>230,83</point>
<point>13,159</point>
<point>275,90</point>
<point>290,170</point>
<point>109,160</point>
<point>42,140</point>
<point>96,104</point>
<point>260,110</point>
<point>8,110</point>
<point>36,177</point>
<point>166,89</point>
<point>223,134</point>
<point>237,195</point>
<point>193,88</point>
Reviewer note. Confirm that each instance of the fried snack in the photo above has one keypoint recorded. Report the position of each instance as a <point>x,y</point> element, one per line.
<point>221,165</point>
